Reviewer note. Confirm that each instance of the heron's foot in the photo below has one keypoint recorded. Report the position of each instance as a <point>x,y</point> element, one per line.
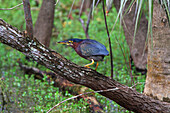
<point>88,65</point>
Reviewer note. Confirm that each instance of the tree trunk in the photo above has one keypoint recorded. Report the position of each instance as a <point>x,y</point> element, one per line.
<point>86,5</point>
<point>158,76</point>
<point>44,23</point>
<point>139,58</point>
<point>125,96</point>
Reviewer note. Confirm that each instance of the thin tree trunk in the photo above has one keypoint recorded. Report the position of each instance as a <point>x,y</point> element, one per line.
<point>125,96</point>
<point>28,18</point>
<point>44,23</point>
<point>86,5</point>
<point>158,76</point>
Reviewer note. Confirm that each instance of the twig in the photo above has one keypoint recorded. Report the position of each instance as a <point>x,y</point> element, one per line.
<point>82,23</point>
<point>28,18</point>
<point>131,7</point>
<point>57,2</point>
<point>97,3</point>
<point>11,7</point>
<point>88,22</point>
<point>110,46</point>
<point>86,29</point>
<point>113,89</point>
<point>81,8</point>
<point>135,85</point>
<point>71,9</point>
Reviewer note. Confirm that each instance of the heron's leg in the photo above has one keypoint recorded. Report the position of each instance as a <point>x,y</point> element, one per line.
<point>96,66</point>
<point>88,65</point>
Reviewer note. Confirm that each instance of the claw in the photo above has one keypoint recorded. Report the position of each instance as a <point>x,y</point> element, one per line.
<point>88,65</point>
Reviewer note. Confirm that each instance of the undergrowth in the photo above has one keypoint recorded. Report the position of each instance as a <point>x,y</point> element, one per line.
<point>24,93</point>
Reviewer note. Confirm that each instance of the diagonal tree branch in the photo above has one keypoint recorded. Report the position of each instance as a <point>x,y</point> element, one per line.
<point>125,96</point>
<point>65,85</point>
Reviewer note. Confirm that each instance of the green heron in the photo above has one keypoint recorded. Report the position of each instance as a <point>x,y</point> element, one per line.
<point>88,49</point>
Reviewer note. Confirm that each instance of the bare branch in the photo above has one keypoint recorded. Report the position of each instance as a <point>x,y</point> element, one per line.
<point>11,7</point>
<point>81,95</point>
<point>84,28</point>
<point>97,3</point>
<point>82,23</point>
<point>69,14</point>
<point>88,21</point>
<point>57,2</point>
<point>81,8</point>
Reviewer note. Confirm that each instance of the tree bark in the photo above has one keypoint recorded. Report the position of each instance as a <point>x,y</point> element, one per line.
<point>44,23</point>
<point>125,96</point>
<point>65,85</point>
<point>28,18</point>
<point>139,50</point>
<point>86,5</point>
<point>158,76</point>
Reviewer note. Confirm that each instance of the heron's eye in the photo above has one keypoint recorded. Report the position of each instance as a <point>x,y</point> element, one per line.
<point>70,42</point>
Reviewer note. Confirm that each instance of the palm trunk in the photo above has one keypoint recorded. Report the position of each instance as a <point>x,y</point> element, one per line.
<point>158,76</point>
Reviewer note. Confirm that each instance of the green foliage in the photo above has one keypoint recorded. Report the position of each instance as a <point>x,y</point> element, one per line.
<point>16,15</point>
<point>29,95</point>
<point>26,94</point>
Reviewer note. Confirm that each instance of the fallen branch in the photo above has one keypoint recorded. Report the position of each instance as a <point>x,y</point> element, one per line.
<point>82,95</point>
<point>124,96</point>
<point>64,85</point>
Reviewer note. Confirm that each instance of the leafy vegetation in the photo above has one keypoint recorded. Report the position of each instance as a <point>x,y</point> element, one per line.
<point>24,93</point>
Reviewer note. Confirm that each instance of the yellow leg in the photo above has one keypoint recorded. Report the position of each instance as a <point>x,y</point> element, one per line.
<point>88,65</point>
<point>96,66</point>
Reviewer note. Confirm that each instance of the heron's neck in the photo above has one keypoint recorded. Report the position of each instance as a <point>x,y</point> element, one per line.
<point>75,45</point>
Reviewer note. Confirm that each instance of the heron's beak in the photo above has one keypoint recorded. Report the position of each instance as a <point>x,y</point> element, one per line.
<point>62,42</point>
<point>65,42</point>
